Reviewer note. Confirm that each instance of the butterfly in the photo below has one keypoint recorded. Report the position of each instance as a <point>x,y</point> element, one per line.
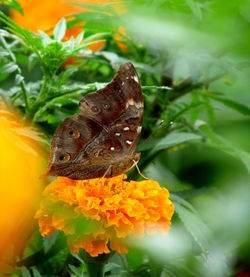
<point>100,141</point>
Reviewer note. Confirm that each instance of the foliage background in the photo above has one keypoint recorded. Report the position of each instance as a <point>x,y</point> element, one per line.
<point>193,61</point>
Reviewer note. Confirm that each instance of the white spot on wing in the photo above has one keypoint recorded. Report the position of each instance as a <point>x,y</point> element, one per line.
<point>139,129</point>
<point>126,128</point>
<point>112,148</point>
<point>117,134</point>
<point>132,102</point>
<point>129,142</point>
<point>122,83</point>
<point>136,79</point>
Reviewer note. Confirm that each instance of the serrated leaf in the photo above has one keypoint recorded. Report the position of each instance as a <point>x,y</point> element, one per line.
<point>9,68</point>
<point>60,30</point>
<point>170,140</point>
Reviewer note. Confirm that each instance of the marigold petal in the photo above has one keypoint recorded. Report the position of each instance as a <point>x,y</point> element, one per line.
<point>119,209</point>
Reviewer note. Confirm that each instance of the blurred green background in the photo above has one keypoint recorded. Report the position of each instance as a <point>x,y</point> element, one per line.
<point>193,59</point>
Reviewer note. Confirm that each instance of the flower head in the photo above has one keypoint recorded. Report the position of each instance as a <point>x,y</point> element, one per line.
<point>21,163</point>
<point>43,15</point>
<point>100,214</point>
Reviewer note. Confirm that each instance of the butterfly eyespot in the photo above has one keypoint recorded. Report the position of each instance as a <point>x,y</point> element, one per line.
<point>106,106</point>
<point>64,157</point>
<point>94,109</point>
<point>74,134</point>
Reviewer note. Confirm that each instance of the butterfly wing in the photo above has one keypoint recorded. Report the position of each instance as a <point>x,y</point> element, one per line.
<point>71,137</point>
<point>107,104</point>
<point>105,136</point>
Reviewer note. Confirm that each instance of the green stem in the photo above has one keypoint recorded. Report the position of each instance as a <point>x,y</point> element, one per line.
<point>95,265</point>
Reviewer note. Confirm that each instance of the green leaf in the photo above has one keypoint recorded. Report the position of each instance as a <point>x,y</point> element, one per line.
<point>76,270</point>
<point>190,193</point>
<point>222,144</point>
<point>79,39</point>
<point>194,6</point>
<point>14,5</point>
<point>50,241</point>
<point>45,38</point>
<point>60,30</point>
<point>9,68</point>
<point>95,36</point>
<point>194,112</point>
<point>19,78</point>
<point>25,272</point>
<point>170,140</point>
<point>76,256</point>
<point>194,225</point>
<point>241,108</point>
<point>32,61</point>
<point>209,109</point>
<point>177,199</point>
<point>156,88</point>
<point>36,273</point>
<point>3,53</point>
<point>111,266</point>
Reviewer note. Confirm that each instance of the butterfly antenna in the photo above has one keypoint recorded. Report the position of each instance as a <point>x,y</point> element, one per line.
<point>138,169</point>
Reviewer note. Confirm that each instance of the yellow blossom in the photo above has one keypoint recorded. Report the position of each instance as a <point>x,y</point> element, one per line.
<point>20,190</point>
<point>111,211</point>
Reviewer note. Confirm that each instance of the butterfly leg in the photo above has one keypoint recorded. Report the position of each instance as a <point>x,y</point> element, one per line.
<point>105,174</point>
<point>135,164</point>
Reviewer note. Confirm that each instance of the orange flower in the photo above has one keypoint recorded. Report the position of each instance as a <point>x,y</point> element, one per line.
<point>100,214</point>
<point>43,15</point>
<point>20,190</point>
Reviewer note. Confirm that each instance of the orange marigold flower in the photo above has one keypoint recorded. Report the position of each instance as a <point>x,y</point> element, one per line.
<point>100,214</point>
<point>43,15</point>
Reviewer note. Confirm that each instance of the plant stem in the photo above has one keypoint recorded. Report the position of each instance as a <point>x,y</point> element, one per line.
<point>95,265</point>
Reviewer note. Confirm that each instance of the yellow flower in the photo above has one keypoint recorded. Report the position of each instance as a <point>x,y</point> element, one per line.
<point>101,214</point>
<point>20,190</point>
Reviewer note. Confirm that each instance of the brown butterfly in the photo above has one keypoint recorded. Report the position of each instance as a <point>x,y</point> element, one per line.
<point>101,141</point>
